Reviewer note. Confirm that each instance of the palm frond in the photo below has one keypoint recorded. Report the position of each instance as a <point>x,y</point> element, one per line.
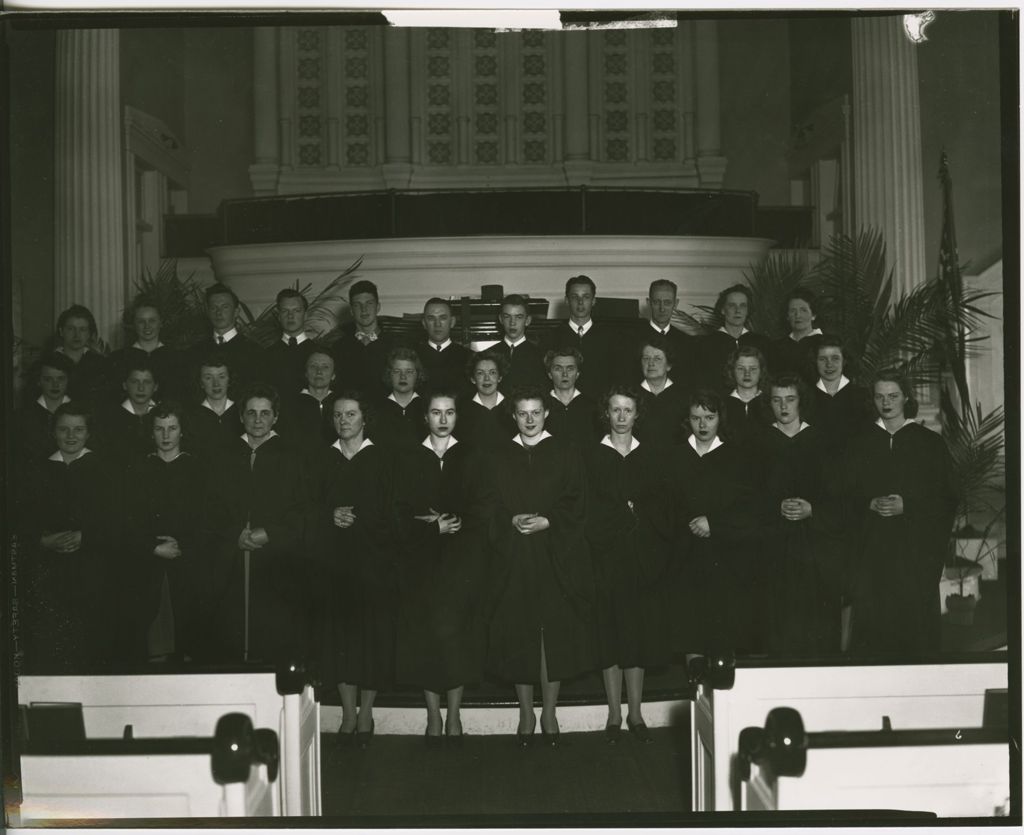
<point>329,309</point>
<point>770,281</point>
<point>692,325</point>
<point>179,300</point>
<point>976,444</point>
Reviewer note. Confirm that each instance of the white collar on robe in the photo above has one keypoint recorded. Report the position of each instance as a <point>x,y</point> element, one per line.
<point>393,399</point>
<point>159,344</point>
<point>515,344</point>
<point>736,393</point>
<point>881,425</point>
<point>803,426</point>
<point>245,437</point>
<point>745,330</point>
<point>452,441</point>
<point>60,458</point>
<point>843,383</point>
<point>227,336</point>
<point>479,402</point>
<point>657,328</point>
<point>126,404</point>
<point>607,441</point>
<point>715,444</point>
<point>646,386</point>
<point>175,458</point>
<point>437,349</point>
<point>42,401</point>
<point>228,403</point>
<point>575,393</point>
<point>544,435</point>
<point>299,338</point>
<point>366,442</point>
<point>814,332</point>
<point>576,328</point>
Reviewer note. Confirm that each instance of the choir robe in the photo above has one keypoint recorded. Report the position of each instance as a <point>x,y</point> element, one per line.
<point>482,428</point>
<point>396,428</point>
<point>70,604</point>
<point>714,350</point>
<point>541,584</point>
<point>686,358</point>
<point>286,365</point>
<point>803,558</point>
<point>715,586</point>
<point>269,494</point>
<point>897,561</point>
<point>629,527</point>
<point>166,498</point>
<point>526,366</point>
<point>361,367</point>
<point>122,435</point>
<point>744,421</point>
<point>357,607</point>
<point>91,378</point>
<point>307,423</point>
<point>169,370</point>
<point>34,432</point>
<point>663,416</point>
<point>789,356</point>
<point>842,416</point>
<point>446,370</point>
<point>246,360</point>
<point>440,576</point>
<point>604,361</point>
<point>210,435</point>
<point>577,423</point>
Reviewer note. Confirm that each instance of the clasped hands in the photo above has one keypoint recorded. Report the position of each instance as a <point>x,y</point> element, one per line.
<point>891,505</point>
<point>168,548</point>
<point>527,523</point>
<point>795,509</point>
<point>446,522</point>
<point>63,542</point>
<point>699,526</point>
<point>252,539</point>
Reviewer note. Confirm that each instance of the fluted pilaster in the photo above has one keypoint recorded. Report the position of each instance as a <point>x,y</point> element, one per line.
<point>264,172</point>
<point>398,166</point>
<point>888,191</point>
<point>710,162</point>
<point>89,201</point>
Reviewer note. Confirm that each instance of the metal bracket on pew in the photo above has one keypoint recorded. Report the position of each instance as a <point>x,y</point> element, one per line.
<point>783,743</point>
<point>717,671</point>
<point>291,678</point>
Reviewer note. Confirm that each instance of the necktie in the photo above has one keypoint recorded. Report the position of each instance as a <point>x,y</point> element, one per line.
<point>580,329</point>
<point>438,347</point>
<point>220,339</point>
<point>511,351</point>
<point>292,342</point>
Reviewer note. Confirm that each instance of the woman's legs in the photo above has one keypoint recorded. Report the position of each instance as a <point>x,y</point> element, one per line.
<point>613,689</point>
<point>349,696</point>
<point>549,695</point>
<point>434,723</point>
<point>634,693</point>
<point>527,718</point>
<point>364,723</point>
<point>453,722</point>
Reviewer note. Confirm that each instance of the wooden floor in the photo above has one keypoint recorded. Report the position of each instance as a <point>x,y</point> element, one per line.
<point>399,781</point>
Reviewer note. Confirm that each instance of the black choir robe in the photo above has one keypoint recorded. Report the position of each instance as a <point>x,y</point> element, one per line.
<point>541,584</point>
<point>789,356</point>
<point>526,366</point>
<point>246,359</point>
<point>629,527</point>
<point>803,564</point>
<point>286,365</point>
<point>91,378</point>
<point>744,421</point>
<point>446,369</point>
<point>70,605</point>
<point>169,370</point>
<point>663,419</point>
<point>208,434</point>
<point>396,428</point>
<point>714,350</point>
<point>604,360</point>
<point>843,415</point>
<point>361,367</point>
<point>897,561</point>
<point>122,435</point>
<point>34,433</point>
<point>440,576</point>
<point>307,423</point>
<point>356,609</point>
<point>270,494</point>
<point>686,359</point>
<point>482,428</point>
<point>577,423</point>
<point>716,584</point>
<point>166,498</point>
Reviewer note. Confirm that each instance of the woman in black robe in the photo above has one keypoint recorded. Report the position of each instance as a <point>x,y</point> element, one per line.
<point>440,557</point>
<point>165,493</point>
<point>746,412</point>
<point>733,307</point>
<point>902,502</point>
<point>572,414</point>
<point>357,549</point>
<point>35,420</point>
<point>842,409</point>
<point>711,482</point>
<point>541,579</point>
<point>795,352</point>
<point>663,403</point>
<point>398,421</point>
<point>214,424</point>
<point>90,377</point>
<point>801,536</point>
<point>72,591</point>
<point>629,528</point>
<point>483,423</point>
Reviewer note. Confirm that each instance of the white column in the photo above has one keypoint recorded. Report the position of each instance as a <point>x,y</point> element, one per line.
<point>576,95</point>
<point>89,200</point>
<point>710,162</point>
<point>397,168</point>
<point>887,172</point>
<point>266,168</point>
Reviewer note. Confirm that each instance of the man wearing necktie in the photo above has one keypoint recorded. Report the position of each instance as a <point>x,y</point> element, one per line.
<point>662,298</point>
<point>443,360</point>
<point>289,353</point>
<point>525,358</point>
<point>246,357</point>
<point>361,353</point>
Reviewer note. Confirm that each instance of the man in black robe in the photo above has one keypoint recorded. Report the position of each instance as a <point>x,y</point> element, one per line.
<point>246,358</point>
<point>361,353</point>
<point>525,358</point>
<point>286,358</point>
<point>123,432</point>
<point>443,361</point>
<point>662,298</point>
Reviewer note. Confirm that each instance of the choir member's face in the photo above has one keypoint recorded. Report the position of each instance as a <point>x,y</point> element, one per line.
<point>747,373</point>
<point>71,433</point>
<point>75,334</point>
<point>799,316</point>
<point>530,416</point>
<point>441,416</point>
<point>214,381</point>
<point>514,321</point>
<point>403,376</point>
<point>437,322</point>
<point>621,414</point>
<point>291,314</point>
<point>654,363</point>
<point>53,383</point>
<point>486,377</point>
<point>662,302</point>
<point>581,301</point>
<point>890,401</point>
<point>785,405</point>
<point>365,309</point>
<point>735,309</point>
<point>220,310</point>
<point>167,433</point>
<point>319,370</point>
<point>147,324</point>
<point>830,363</point>
<point>258,417</point>
<point>564,373</point>
<point>348,419</point>
<point>703,423</point>
<point>140,387</point>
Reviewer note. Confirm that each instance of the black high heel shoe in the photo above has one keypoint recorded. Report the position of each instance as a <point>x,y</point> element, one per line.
<point>640,731</point>
<point>363,737</point>
<point>454,740</point>
<point>345,739</point>
<point>612,732</point>
<point>551,738</point>
<point>525,740</point>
